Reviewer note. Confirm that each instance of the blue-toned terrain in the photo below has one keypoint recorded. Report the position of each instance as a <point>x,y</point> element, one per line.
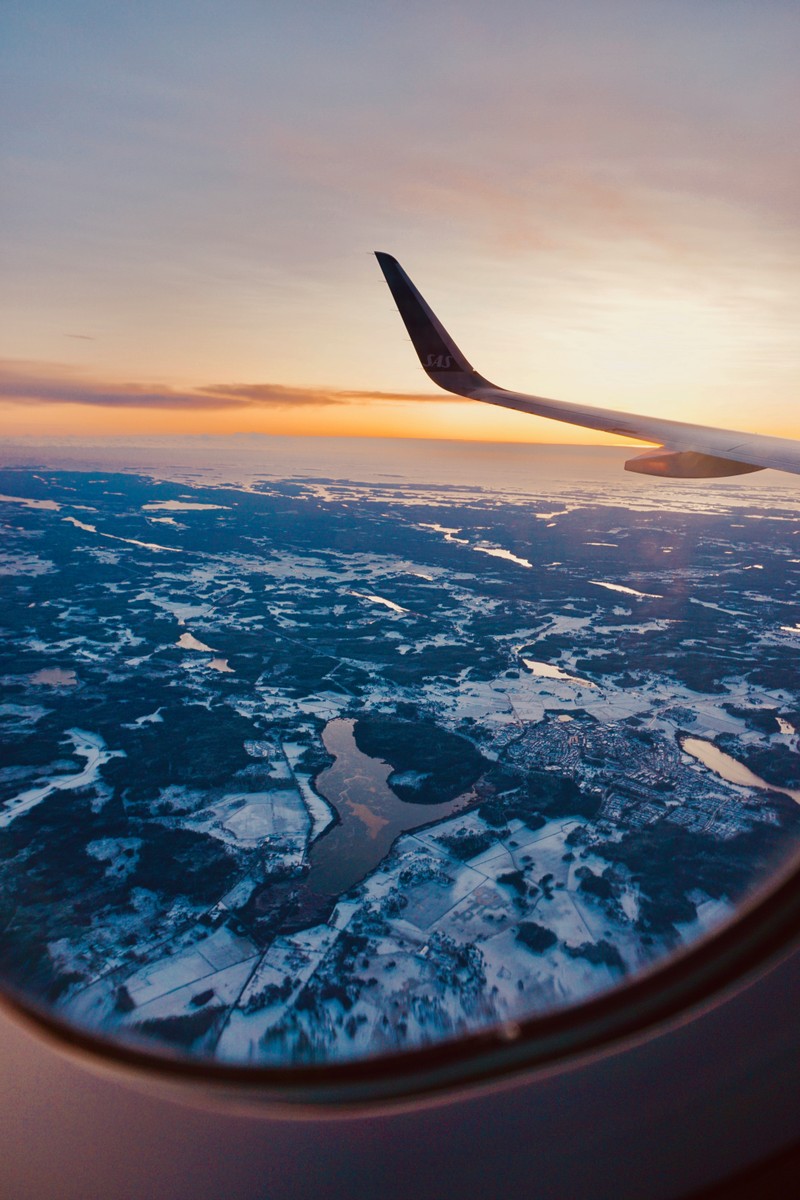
<point>307,770</point>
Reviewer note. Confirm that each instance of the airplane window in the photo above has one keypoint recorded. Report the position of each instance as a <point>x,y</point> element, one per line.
<point>372,749</point>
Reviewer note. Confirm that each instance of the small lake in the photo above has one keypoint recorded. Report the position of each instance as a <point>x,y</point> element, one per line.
<point>370,815</point>
<point>728,768</point>
<point>626,591</point>
<point>53,677</point>
<point>549,671</point>
<point>506,554</point>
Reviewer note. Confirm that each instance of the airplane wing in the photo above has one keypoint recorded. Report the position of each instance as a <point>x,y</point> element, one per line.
<point>684,451</point>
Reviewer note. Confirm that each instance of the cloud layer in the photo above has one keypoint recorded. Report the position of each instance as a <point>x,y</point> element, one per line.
<point>36,384</point>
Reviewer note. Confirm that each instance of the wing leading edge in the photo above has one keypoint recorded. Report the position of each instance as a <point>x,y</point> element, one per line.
<point>683,450</point>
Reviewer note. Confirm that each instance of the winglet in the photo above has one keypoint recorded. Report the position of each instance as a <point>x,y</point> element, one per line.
<point>685,451</point>
<point>440,356</point>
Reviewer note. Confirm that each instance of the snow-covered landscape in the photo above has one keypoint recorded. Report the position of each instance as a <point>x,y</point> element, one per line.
<point>303,778</point>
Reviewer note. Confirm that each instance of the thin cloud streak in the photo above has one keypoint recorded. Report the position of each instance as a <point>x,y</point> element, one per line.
<point>47,385</point>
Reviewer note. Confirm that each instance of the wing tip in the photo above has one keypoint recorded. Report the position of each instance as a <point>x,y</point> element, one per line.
<point>440,357</point>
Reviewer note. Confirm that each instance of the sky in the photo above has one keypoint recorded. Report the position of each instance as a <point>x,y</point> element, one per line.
<point>600,198</point>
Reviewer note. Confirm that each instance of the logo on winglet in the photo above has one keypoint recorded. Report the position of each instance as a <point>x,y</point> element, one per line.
<point>439,362</point>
